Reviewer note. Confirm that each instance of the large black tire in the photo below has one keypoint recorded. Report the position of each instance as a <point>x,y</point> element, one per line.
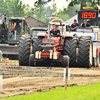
<point>36,42</point>
<point>31,60</point>
<point>24,50</point>
<point>85,52</point>
<point>65,60</point>
<point>70,50</point>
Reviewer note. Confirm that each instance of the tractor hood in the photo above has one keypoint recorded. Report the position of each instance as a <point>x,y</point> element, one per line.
<point>52,40</point>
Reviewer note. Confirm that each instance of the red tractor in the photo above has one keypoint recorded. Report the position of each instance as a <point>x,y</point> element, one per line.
<point>52,47</point>
<point>45,47</point>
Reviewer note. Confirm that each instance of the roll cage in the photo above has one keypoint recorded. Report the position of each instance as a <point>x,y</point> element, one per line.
<point>57,21</point>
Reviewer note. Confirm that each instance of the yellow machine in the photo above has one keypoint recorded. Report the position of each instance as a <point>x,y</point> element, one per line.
<point>17,27</point>
<point>11,33</point>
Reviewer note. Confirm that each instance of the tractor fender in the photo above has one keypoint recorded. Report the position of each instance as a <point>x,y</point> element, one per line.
<point>42,35</point>
<point>68,35</point>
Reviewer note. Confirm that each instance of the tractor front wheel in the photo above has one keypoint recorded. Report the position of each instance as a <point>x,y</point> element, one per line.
<point>31,60</point>
<point>65,60</point>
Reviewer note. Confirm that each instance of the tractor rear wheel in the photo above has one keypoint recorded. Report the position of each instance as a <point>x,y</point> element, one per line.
<point>85,52</point>
<point>24,50</point>
<point>70,50</point>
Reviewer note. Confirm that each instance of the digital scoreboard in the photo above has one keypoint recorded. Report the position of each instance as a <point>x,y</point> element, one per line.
<point>86,14</point>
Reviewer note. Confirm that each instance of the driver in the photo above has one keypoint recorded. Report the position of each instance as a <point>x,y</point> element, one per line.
<point>17,27</point>
<point>55,31</point>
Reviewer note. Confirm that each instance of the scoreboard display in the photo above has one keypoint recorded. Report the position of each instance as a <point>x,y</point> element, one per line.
<point>85,14</point>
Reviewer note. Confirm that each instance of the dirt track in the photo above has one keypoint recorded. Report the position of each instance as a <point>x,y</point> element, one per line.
<point>23,80</point>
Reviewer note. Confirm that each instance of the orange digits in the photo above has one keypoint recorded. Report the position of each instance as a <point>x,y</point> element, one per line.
<point>94,15</point>
<point>89,15</point>
<point>85,15</point>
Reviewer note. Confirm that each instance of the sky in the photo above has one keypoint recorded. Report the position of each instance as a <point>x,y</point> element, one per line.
<point>60,3</point>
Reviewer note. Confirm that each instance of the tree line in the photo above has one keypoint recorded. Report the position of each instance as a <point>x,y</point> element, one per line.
<point>39,11</point>
<point>18,9</point>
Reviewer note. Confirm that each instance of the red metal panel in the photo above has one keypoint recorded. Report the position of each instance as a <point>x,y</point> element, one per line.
<point>97,51</point>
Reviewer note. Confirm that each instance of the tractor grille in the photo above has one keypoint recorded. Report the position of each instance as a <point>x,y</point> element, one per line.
<point>48,41</point>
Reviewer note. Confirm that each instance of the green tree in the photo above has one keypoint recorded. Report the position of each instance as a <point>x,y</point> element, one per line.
<point>18,8</point>
<point>38,12</point>
<point>28,10</point>
<point>5,7</point>
<point>60,13</point>
<point>54,9</point>
<point>71,11</point>
<point>92,2</point>
<point>12,7</point>
<point>48,11</point>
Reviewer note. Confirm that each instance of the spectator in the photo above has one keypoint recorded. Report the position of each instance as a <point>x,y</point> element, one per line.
<point>74,25</point>
<point>85,24</point>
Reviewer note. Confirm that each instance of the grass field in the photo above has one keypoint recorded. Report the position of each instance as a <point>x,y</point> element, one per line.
<point>13,60</point>
<point>85,92</point>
